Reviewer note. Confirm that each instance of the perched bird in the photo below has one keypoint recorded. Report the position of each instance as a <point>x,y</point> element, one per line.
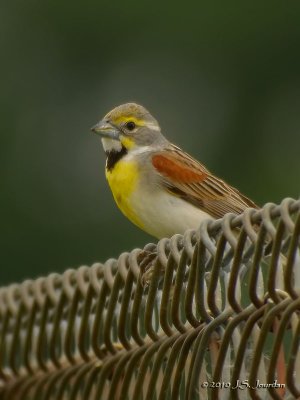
<point>158,186</point>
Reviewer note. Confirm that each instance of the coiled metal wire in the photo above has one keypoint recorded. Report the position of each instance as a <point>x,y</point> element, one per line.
<point>191,317</point>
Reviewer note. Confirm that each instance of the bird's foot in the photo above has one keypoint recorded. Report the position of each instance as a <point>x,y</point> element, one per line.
<point>147,265</point>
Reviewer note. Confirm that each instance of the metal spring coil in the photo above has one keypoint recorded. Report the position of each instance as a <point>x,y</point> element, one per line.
<point>220,306</point>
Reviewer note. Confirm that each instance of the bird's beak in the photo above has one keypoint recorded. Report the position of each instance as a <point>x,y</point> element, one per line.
<point>106,130</point>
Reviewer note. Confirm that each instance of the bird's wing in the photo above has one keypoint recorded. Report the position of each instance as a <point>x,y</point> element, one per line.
<point>185,177</point>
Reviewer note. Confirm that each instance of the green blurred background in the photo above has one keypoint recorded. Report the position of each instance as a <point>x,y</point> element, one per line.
<point>222,78</point>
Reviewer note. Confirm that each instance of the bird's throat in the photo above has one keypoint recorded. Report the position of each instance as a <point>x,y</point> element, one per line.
<point>113,156</point>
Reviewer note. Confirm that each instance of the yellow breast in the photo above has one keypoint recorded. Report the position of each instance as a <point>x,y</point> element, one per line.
<point>123,180</point>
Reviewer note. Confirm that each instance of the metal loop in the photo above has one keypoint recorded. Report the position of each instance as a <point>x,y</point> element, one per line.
<point>217,304</point>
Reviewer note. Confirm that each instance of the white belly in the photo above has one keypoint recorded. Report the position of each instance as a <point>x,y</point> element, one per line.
<point>164,215</point>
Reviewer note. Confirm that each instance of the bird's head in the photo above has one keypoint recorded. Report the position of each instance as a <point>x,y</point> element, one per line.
<point>127,127</point>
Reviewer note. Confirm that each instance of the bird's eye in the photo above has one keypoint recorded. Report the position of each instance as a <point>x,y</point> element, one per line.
<point>130,125</point>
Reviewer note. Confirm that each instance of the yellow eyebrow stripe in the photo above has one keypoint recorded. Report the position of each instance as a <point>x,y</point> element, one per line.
<point>124,118</point>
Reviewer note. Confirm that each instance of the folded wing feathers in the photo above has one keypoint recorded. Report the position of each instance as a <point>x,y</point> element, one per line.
<point>209,193</point>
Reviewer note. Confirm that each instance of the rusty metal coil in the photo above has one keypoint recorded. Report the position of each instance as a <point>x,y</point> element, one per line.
<point>219,306</point>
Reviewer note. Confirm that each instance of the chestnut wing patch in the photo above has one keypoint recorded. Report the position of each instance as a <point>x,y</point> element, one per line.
<point>188,179</point>
<point>176,170</point>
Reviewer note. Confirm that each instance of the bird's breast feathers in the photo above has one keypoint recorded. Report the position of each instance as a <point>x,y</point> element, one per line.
<point>146,203</point>
<point>123,181</point>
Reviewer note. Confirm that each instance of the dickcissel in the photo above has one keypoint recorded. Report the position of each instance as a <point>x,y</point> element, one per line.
<point>158,186</point>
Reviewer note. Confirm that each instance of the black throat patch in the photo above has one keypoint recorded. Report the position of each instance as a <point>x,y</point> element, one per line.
<point>113,157</point>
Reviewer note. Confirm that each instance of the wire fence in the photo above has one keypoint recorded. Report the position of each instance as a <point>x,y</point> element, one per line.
<point>213,314</point>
